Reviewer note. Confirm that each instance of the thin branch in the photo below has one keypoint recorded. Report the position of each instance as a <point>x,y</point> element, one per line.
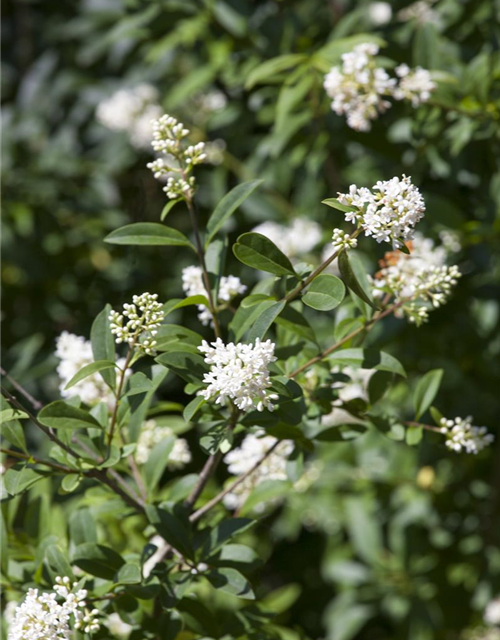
<point>118,398</point>
<point>36,404</point>
<point>137,477</point>
<point>427,427</point>
<point>46,463</point>
<point>366,326</point>
<point>212,503</point>
<point>305,283</point>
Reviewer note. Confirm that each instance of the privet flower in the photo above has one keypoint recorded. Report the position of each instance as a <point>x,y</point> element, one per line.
<point>144,318</point>
<point>462,435</point>
<point>342,240</point>
<point>192,283</point>
<point>241,459</point>
<point>415,85</point>
<point>359,88</point>
<point>420,279</point>
<point>117,627</point>
<point>53,616</point>
<point>74,353</point>
<point>178,159</point>
<point>492,612</point>
<point>151,435</point>
<point>388,212</point>
<point>131,110</point>
<point>239,373</point>
<point>295,240</point>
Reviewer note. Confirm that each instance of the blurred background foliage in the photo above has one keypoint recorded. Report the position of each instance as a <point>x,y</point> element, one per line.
<point>386,542</point>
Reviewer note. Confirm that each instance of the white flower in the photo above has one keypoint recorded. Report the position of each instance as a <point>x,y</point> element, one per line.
<point>416,278</point>
<point>420,11</point>
<point>144,318</point>
<point>342,240</point>
<point>450,240</point>
<point>492,612</point>
<point>241,459</point>
<point>379,12</point>
<point>461,434</point>
<point>239,373</point>
<point>192,283</point>
<point>295,240</point>
<point>42,617</point>
<point>75,353</point>
<point>152,434</point>
<point>358,87</point>
<point>414,85</point>
<point>389,212</point>
<point>131,110</point>
<point>117,627</point>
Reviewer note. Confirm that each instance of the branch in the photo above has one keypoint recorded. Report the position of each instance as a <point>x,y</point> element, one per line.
<point>302,285</point>
<point>36,404</point>
<point>118,397</point>
<point>349,336</point>
<point>212,503</point>
<point>29,457</point>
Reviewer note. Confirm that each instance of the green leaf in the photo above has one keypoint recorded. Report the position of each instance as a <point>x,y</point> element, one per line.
<point>350,279</point>
<point>174,527</point>
<point>212,440</point>
<point>237,556</point>
<point>57,561</point>
<point>368,359</point>
<point>12,414</point>
<point>324,293</point>
<point>97,559</point>
<point>437,416</point>
<point>341,433</point>
<point>243,319</point>
<point>273,67</point>
<point>227,206</point>
<point>264,321</point>
<point>61,415</point>
<point>103,344</point>
<point>335,204</point>
<point>214,538</point>
<point>364,529</point>
<point>426,391</point>
<point>192,408</point>
<point>254,299</point>
<point>82,527</point>
<point>157,462</point>
<point>89,369</point>
<point>148,234</point>
<point>16,482</point>
<point>257,251</point>
<point>231,581</point>
<point>128,574</point>
<point>13,432</point>
<point>178,303</point>
<point>414,435</point>
<point>70,482</point>
<point>189,366</point>
<point>168,207</point>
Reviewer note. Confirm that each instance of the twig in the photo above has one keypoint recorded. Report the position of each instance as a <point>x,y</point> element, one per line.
<point>118,398</point>
<point>36,404</point>
<point>212,503</point>
<point>427,427</point>
<point>52,465</point>
<point>302,285</point>
<point>353,334</point>
<point>137,477</point>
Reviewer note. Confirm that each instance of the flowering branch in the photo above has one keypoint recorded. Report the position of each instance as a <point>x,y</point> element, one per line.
<point>365,326</point>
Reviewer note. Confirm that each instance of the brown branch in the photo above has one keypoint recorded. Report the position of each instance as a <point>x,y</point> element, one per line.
<point>36,404</point>
<point>212,503</point>
<point>305,283</point>
<point>427,427</point>
<point>137,477</point>
<point>46,463</point>
<point>366,326</point>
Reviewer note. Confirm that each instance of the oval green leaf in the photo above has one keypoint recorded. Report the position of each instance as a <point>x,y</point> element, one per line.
<point>89,369</point>
<point>426,391</point>
<point>324,293</point>
<point>350,279</point>
<point>61,415</point>
<point>148,234</point>
<point>257,251</point>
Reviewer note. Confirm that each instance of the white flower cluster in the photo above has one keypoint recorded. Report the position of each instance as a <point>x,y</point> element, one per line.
<point>131,110</point>
<point>462,434</point>
<point>168,134</point>
<point>144,317</point>
<point>241,459</point>
<point>492,612</point>
<point>342,240</point>
<point>151,435</point>
<point>192,284</point>
<point>414,85</point>
<point>359,87</point>
<point>75,353</point>
<point>420,11</point>
<point>417,278</point>
<point>42,617</point>
<point>295,240</point>
<point>388,212</point>
<point>117,627</point>
<point>239,373</point>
